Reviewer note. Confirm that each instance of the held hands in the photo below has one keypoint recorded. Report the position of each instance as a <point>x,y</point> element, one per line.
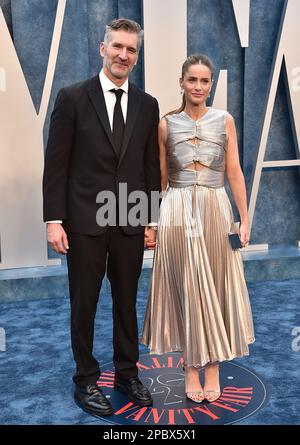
<point>57,238</point>
<point>244,233</point>
<point>150,238</point>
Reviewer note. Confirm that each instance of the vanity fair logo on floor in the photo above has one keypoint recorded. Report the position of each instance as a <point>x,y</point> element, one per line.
<point>243,394</point>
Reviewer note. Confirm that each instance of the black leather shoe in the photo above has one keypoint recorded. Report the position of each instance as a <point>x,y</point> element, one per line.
<point>92,400</point>
<point>135,391</point>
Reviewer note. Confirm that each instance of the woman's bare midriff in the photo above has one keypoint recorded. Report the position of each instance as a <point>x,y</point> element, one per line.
<point>195,165</point>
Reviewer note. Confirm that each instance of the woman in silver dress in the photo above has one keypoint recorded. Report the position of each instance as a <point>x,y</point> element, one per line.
<point>198,300</point>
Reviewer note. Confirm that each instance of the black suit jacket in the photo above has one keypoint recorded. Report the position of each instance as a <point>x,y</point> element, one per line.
<point>81,160</point>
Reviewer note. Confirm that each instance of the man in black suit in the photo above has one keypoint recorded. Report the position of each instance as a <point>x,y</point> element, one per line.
<point>103,134</point>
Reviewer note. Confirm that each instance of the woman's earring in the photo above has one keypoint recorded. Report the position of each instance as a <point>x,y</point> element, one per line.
<point>181,91</point>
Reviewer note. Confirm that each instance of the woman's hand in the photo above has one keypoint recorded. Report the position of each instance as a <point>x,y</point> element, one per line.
<point>150,238</point>
<point>244,233</point>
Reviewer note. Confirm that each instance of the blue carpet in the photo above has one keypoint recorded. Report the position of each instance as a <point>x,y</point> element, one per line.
<point>36,368</point>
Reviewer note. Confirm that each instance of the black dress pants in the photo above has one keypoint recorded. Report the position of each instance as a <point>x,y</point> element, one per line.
<point>88,258</point>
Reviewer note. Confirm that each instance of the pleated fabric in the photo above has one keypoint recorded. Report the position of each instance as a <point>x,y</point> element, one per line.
<point>198,299</point>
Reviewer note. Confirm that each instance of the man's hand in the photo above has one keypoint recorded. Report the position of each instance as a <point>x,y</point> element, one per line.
<point>150,238</point>
<point>57,238</point>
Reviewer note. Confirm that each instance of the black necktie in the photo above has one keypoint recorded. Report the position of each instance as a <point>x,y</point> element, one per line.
<point>118,121</point>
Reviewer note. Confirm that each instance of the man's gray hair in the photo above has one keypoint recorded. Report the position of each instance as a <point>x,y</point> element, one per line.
<point>125,25</point>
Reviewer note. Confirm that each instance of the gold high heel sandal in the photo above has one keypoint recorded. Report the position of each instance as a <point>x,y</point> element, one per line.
<point>211,395</point>
<point>194,396</point>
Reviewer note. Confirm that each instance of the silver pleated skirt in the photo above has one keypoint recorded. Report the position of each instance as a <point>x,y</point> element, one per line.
<point>198,300</point>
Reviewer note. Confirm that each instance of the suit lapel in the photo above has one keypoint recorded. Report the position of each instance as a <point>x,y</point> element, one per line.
<point>96,96</point>
<point>133,107</point>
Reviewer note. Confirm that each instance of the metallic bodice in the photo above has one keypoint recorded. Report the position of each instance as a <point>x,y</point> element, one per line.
<point>202,141</point>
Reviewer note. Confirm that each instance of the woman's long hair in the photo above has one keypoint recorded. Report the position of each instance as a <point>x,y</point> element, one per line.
<point>193,59</point>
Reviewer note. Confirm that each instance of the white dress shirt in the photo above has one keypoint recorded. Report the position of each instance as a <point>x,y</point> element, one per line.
<point>110,97</point>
